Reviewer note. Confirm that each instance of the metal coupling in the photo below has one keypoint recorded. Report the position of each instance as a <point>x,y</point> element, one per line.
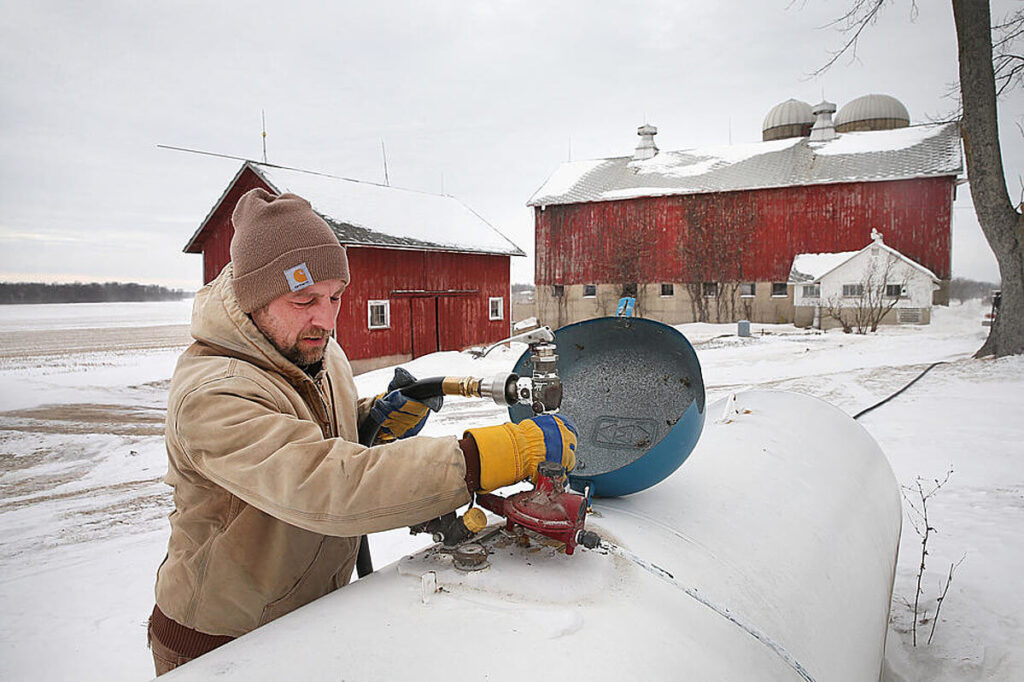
<point>468,387</point>
<point>501,388</point>
<point>547,386</point>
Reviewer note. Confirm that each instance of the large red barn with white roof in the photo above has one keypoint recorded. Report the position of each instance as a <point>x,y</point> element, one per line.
<point>428,273</point>
<point>710,233</point>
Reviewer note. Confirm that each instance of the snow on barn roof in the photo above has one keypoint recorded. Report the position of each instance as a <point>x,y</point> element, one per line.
<point>812,267</point>
<point>368,214</point>
<point>919,151</point>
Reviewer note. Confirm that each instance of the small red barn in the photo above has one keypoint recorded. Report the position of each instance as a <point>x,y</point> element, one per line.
<point>709,233</point>
<point>428,273</point>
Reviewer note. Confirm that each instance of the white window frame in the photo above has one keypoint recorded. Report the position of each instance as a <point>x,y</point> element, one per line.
<point>501,308</point>
<point>785,290</point>
<point>586,295</point>
<point>901,294</point>
<point>704,286</point>
<point>387,313</point>
<point>815,290</point>
<point>856,290</point>
<point>753,289</point>
<point>672,289</point>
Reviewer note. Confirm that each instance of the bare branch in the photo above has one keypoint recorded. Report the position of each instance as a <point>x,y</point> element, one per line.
<point>942,595</point>
<point>853,23</point>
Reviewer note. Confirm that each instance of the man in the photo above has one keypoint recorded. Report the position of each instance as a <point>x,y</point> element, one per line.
<point>271,489</point>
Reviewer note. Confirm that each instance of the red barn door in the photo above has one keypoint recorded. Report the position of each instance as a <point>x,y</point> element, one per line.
<point>423,322</point>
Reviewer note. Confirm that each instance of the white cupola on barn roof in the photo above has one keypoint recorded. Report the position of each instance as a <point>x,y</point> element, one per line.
<point>792,118</point>
<point>646,149</point>
<point>823,129</point>
<point>872,112</point>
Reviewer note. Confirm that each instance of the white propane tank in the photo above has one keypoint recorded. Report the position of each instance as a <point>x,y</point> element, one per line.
<point>769,555</point>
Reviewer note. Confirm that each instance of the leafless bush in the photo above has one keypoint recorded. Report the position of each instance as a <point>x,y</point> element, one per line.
<point>917,497</point>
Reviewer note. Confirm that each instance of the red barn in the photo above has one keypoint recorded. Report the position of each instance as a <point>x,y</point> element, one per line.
<point>428,273</point>
<point>710,233</point>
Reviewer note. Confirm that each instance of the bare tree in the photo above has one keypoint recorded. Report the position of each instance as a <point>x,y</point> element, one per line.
<point>715,253</point>
<point>833,307</point>
<point>1001,222</point>
<point>884,285</point>
<point>984,73</point>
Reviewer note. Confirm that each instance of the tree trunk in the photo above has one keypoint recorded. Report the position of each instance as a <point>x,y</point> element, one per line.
<point>1001,223</point>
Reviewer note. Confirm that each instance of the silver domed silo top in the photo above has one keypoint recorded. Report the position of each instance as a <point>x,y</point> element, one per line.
<point>872,112</point>
<point>792,118</point>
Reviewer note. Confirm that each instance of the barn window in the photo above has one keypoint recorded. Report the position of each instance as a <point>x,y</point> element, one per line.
<point>589,290</point>
<point>668,289</point>
<point>557,290</point>
<point>812,291</point>
<point>496,304</point>
<point>895,290</point>
<point>748,289</point>
<point>709,289</point>
<point>379,314</point>
<point>629,289</point>
<point>779,289</point>
<point>853,290</point>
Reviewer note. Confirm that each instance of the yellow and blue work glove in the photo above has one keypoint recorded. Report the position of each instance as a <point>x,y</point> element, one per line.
<point>510,452</point>
<point>399,416</point>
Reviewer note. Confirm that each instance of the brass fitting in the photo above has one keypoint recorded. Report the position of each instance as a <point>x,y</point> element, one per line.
<point>468,387</point>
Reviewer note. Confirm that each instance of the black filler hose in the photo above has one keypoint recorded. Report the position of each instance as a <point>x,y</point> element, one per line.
<point>423,389</point>
<point>912,382</point>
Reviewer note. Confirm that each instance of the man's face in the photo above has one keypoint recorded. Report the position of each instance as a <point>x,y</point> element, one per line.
<point>299,323</point>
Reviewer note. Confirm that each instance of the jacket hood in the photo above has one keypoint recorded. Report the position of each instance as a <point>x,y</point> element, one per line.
<point>218,321</point>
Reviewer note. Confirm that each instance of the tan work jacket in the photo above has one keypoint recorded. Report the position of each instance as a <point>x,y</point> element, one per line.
<point>271,489</point>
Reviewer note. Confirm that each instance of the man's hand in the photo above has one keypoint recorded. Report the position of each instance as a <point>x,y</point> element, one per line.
<point>510,452</point>
<point>399,416</point>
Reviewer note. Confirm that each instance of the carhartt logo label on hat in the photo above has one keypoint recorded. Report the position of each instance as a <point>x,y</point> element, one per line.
<point>298,277</point>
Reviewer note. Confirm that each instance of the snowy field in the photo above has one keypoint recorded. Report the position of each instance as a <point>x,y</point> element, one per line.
<point>83,509</point>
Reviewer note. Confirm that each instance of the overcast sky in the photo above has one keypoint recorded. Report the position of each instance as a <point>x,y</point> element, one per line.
<point>481,100</point>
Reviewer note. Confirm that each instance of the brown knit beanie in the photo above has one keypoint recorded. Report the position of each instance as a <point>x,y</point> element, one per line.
<point>280,245</point>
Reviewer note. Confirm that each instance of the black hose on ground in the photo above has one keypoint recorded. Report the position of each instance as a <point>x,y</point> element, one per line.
<point>912,382</point>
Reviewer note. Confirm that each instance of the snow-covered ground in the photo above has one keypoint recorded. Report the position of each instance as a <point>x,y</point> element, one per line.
<point>83,510</point>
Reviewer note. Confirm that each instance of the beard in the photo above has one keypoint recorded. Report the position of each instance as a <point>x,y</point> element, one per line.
<point>304,357</point>
<point>292,349</point>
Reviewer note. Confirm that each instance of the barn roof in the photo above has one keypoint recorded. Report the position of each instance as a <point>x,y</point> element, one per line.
<point>919,151</point>
<point>369,214</point>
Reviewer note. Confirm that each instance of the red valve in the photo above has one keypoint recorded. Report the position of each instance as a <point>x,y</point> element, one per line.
<point>549,509</point>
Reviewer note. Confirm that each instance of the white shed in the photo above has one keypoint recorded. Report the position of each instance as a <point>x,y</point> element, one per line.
<point>861,289</point>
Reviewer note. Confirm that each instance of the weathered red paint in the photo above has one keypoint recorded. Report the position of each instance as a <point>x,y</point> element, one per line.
<point>215,240</point>
<point>438,300</point>
<point>580,243</point>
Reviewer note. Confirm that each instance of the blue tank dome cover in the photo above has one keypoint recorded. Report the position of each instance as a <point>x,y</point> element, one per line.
<point>635,391</point>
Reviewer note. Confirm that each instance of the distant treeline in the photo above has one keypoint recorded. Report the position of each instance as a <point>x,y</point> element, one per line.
<point>963,289</point>
<point>86,292</point>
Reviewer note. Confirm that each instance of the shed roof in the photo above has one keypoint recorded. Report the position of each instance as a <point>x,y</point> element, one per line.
<point>369,214</point>
<point>919,151</point>
<point>813,267</point>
